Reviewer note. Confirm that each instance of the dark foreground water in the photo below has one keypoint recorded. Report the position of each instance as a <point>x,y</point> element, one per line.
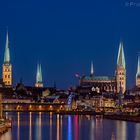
<point>45,126</point>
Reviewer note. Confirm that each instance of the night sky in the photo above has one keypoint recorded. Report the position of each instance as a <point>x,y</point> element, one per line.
<point>65,35</point>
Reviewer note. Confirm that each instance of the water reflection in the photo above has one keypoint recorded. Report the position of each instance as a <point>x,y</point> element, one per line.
<point>137,131</point>
<point>30,126</point>
<point>92,129</point>
<point>6,115</point>
<point>121,130</point>
<point>58,128</point>
<point>88,117</point>
<point>50,125</point>
<point>38,127</point>
<point>69,128</point>
<point>98,128</point>
<point>76,127</point>
<point>18,126</point>
<point>61,128</point>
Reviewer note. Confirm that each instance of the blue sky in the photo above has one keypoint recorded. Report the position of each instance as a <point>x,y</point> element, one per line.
<point>66,35</point>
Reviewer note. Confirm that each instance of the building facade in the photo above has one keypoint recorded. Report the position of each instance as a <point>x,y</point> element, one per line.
<point>109,84</point>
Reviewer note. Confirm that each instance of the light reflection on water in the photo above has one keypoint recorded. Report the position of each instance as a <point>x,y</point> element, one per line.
<point>30,126</point>
<point>42,126</point>
<point>38,127</point>
<point>69,128</point>
<point>98,129</point>
<point>58,128</point>
<point>50,125</point>
<point>76,128</point>
<point>18,125</point>
<point>121,130</point>
<point>137,132</point>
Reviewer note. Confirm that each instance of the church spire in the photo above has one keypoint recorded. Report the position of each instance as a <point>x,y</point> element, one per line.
<point>7,67</point>
<point>121,70</point>
<point>91,69</point>
<point>39,76</point>
<point>40,71</point>
<point>121,58</point>
<point>138,67</point>
<point>7,51</point>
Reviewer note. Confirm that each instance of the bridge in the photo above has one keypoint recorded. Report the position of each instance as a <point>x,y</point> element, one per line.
<point>8,107</point>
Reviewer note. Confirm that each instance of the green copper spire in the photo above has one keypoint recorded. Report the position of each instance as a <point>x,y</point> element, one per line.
<point>7,51</point>
<point>91,69</point>
<point>138,67</point>
<point>40,71</point>
<point>121,58</point>
<point>39,74</point>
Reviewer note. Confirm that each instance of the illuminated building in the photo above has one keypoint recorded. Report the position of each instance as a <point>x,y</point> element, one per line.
<point>99,84</point>
<point>39,77</point>
<point>7,67</point>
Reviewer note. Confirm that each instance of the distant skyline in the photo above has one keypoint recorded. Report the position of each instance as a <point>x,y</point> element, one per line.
<point>65,36</point>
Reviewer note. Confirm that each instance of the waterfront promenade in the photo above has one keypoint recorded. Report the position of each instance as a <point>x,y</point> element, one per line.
<point>63,110</point>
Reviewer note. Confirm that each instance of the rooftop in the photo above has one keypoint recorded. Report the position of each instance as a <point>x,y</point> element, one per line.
<point>99,78</point>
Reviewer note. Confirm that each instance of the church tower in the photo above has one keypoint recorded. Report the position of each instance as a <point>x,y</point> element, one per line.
<point>138,73</point>
<point>39,76</point>
<point>7,67</point>
<point>121,70</point>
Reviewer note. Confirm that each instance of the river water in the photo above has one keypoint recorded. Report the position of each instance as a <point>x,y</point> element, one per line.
<point>48,126</point>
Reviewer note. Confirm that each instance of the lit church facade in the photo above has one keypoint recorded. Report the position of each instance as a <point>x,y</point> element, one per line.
<point>108,84</point>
